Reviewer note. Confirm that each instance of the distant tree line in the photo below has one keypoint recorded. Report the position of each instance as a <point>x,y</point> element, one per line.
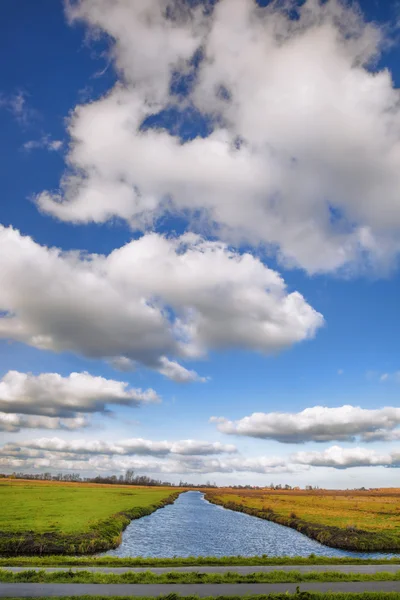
<point>128,479</point>
<point>197,485</point>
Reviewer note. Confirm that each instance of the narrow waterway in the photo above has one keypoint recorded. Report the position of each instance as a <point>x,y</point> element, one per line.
<point>194,527</point>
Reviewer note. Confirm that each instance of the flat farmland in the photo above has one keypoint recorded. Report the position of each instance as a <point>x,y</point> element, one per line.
<point>352,520</point>
<point>39,517</point>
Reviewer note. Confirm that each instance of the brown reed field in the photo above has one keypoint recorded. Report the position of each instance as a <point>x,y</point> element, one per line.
<point>355,520</point>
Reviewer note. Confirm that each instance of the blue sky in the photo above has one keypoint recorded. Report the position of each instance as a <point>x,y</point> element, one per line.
<point>56,60</point>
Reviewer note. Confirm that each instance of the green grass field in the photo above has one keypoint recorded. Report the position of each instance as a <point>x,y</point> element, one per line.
<point>68,508</point>
<point>36,562</point>
<point>66,518</point>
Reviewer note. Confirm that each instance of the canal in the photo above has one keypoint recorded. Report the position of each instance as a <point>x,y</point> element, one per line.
<point>192,526</point>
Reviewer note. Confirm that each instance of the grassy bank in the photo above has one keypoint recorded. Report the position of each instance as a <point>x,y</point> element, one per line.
<point>33,576</point>
<point>363,522</point>
<point>39,518</point>
<point>297,596</point>
<point>113,561</point>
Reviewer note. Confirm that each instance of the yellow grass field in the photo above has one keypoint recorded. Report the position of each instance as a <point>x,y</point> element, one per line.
<point>367,520</point>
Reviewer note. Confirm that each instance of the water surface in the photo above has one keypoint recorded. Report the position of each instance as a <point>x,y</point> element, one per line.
<point>192,526</point>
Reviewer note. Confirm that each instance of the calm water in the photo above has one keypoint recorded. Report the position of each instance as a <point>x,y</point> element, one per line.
<point>194,527</point>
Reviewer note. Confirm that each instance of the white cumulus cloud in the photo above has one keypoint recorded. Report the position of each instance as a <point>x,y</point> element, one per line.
<point>182,457</point>
<point>304,151</point>
<point>345,458</point>
<point>15,422</point>
<point>151,301</point>
<point>51,395</point>
<point>129,447</point>
<point>318,424</point>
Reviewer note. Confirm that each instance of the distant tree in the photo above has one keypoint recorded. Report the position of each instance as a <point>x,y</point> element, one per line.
<point>129,475</point>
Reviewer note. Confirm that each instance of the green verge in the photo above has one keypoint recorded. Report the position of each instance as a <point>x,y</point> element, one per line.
<point>147,577</point>
<point>297,596</point>
<point>191,561</point>
<point>101,536</point>
<point>345,539</point>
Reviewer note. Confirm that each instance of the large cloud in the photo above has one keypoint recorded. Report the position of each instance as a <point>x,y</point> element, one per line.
<point>182,457</point>
<point>151,298</point>
<point>335,457</point>
<point>51,395</point>
<point>129,447</point>
<point>101,464</point>
<point>345,458</point>
<point>305,151</point>
<point>318,424</point>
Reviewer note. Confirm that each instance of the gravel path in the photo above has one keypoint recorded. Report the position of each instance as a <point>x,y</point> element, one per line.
<point>244,570</point>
